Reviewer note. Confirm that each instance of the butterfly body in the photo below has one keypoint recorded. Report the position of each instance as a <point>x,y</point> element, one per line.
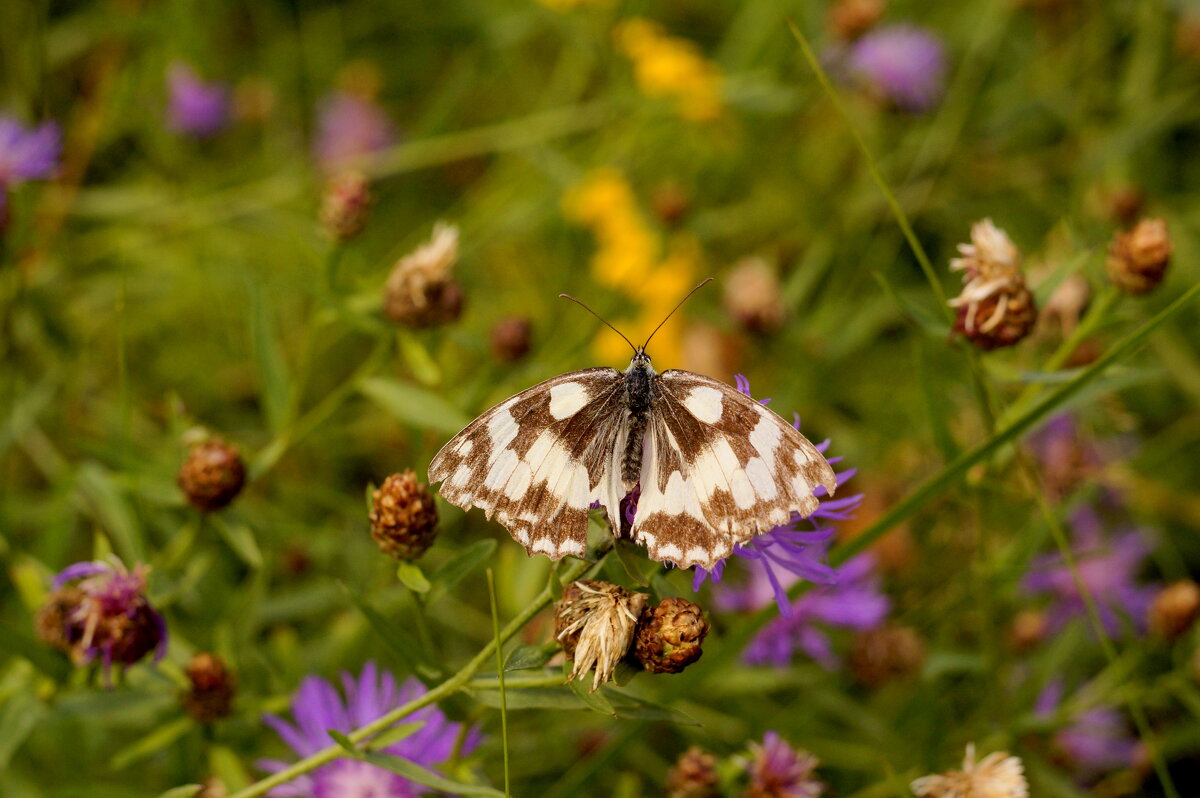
<point>714,467</point>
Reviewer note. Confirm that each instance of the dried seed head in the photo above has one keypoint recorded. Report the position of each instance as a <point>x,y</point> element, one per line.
<point>997,775</point>
<point>849,19</point>
<point>1187,36</point>
<point>213,788</point>
<point>671,203</point>
<point>594,622</point>
<point>346,205</point>
<point>1066,305</point>
<point>694,775</point>
<point>403,516</point>
<point>511,338</point>
<point>1138,258</point>
<point>707,349</point>
<point>752,296</point>
<point>421,290</point>
<point>1028,628</point>
<point>886,654</point>
<point>211,687</point>
<point>669,636</point>
<point>212,475</point>
<point>995,308</point>
<point>1175,609</point>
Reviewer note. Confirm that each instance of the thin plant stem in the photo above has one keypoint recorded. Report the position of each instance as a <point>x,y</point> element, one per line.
<point>491,578</point>
<point>435,694</point>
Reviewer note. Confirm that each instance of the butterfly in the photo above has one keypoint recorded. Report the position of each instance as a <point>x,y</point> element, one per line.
<point>714,467</point>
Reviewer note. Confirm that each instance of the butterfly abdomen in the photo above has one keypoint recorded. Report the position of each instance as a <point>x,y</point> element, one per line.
<point>638,393</point>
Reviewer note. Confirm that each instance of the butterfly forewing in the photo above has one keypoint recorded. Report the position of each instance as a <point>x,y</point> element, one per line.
<point>720,468</point>
<point>538,460</point>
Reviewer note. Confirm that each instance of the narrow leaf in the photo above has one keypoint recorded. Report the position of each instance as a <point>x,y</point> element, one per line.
<point>420,362</point>
<point>414,772</point>
<point>394,735</point>
<point>593,701</point>
<point>412,577</point>
<point>453,571</point>
<point>241,540</point>
<point>20,643</point>
<point>157,740</point>
<point>268,357</point>
<point>184,791</point>
<point>17,721</point>
<point>393,635</point>
<point>345,742</point>
<point>109,507</point>
<point>527,656</point>
<point>414,405</point>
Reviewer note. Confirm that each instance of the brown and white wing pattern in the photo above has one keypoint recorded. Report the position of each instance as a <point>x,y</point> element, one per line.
<point>719,469</point>
<point>538,460</point>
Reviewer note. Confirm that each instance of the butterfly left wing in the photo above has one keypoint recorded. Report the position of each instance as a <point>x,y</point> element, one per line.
<point>719,469</point>
<point>539,459</point>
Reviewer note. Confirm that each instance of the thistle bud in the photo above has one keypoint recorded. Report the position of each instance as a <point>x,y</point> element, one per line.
<point>886,654</point>
<point>669,636</point>
<point>212,475</point>
<point>1028,628</point>
<point>1138,258</point>
<point>671,203</point>
<point>421,291</point>
<point>995,308</point>
<point>752,296</point>
<point>346,205</point>
<point>211,687</point>
<point>849,19</point>
<point>594,622</point>
<point>403,516</point>
<point>1174,610</point>
<point>694,775</point>
<point>510,339</point>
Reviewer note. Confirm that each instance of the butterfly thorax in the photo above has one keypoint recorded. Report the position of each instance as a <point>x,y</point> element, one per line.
<point>639,390</point>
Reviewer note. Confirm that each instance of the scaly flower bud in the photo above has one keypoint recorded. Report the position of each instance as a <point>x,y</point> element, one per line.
<point>995,308</point>
<point>1028,628</point>
<point>510,339</point>
<point>1174,610</point>
<point>346,205</point>
<point>421,291</point>
<point>849,19</point>
<point>1138,258</point>
<point>403,516</point>
<point>669,636</point>
<point>211,686</point>
<point>594,622</point>
<point>886,654</point>
<point>752,296</point>
<point>212,475</point>
<point>694,775</point>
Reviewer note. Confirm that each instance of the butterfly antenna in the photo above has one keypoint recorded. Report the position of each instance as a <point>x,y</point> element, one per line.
<point>597,315</point>
<point>703,283</point>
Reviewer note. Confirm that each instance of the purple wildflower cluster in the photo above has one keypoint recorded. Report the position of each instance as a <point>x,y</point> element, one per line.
<point>1096,741</point>
<point>778,770</point>
<point>350,129</point>
<point>904,64</point>
<point>196,108</point>
<point>318,708</point>
<point>26,153</point>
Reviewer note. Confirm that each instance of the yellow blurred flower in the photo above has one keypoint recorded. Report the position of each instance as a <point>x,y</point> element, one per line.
<point>567,5</point>
<point>668,66</point>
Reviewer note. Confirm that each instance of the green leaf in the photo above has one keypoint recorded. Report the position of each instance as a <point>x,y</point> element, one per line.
<point>345,742</point>
<point>593,701</point>
<point>559,698</point>
<point>414,772</point>
<point>633,565</point>
<point>527,656</point>
<point>157,740</point>
<point>453,571</point>
<point>268,357</point>
<point>629,706</point>
<point>420,362</point>
<point>45,659</point>
<point>109,507</point>
<point>412,577</point>
<point>17,721</point>
<point>241,540</point>
<point>414,405</point>
<point>394,735</point>
<point>394,636</point>
<point>922,316</point>
<point>184,791</point>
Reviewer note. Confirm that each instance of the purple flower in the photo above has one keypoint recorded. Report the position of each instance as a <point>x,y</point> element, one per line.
<point>904,63</point>
<point>779,771</point>
<point>99,611</point>
<point>1097,740</point>
<point>349,130</point>
<point>26,154</point>
<point>799,554</point>
<point>855,601</point>
<point>196,108</point>
<point>1066,459</point>
<point>1107,567</point>
<point>318,707</point>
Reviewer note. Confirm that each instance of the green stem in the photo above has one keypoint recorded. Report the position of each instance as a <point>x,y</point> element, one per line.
<point>491,578</point>
<point>435,694</point>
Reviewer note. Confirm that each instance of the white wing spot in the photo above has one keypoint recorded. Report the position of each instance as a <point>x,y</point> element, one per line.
<point>574,547</point>
<point>670,552</point>
<point>760,477</point>
<point>704,403</point>
<point>567,399</point>
<point>502,429</point>
<point>501,470</point>
<point>743,491</point>
<point>465,447</point>
<point>766,435</point>
<point>544,545</point>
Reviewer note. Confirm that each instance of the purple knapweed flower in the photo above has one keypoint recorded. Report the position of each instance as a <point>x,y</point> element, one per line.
<point>1108,567</point>
<point>1066,459</point>
<point>1096,741</point>
<point>318,707</point>
<point>905,64</point>
<point>26,153</point>
<point>350,129</point>
<point>785,554</point>
<point>854,601</point>
<point>777,770</point>
<point>196,108</point>
<point>99,611</point>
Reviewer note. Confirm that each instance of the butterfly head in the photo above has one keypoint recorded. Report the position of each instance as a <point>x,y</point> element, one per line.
<point>640,361</point>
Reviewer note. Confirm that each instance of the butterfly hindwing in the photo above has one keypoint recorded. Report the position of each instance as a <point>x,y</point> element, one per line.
<point>538,460</point>
<point>719,469</point>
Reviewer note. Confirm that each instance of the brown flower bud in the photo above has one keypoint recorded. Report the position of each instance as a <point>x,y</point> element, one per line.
<point>669,636</point>
<point>212,475</point>
<point>694,775</point>
<point>849,19</point>
<point>1187,36</point>
<point>1028,628</point>
<point>671,203</point>
<point>1138,258</point>
<point>752,296</point>
<point>886,654</point>
<point>346,205</point>
<point>1014,314</point>
<point>403,516</point>
<point>1125,204</point>
<point>995,309</point>
<point>1174,609</point>
<point>510,339</point>
<point>213,788</point>
<point>594,622</point>
<point>707,349</point>
<point>210,693</point>
<point>421,291</point>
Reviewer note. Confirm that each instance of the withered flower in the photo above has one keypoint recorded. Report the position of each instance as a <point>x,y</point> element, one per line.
<point>421,290</point>
<point>995,308</point>
<point>403,516</point>
<point>669,636</point>
<point>210,690</point>
<point>1175,609</point>
<point>1138,258</point>
<point>346,205</point>
<point>997,775</point>
<point>594,622</point>
<point>212,475</point>
<point>752,296</point>
<point>694,775</point>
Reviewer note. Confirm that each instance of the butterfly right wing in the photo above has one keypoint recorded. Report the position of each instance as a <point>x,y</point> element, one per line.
<point>539,459</point>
